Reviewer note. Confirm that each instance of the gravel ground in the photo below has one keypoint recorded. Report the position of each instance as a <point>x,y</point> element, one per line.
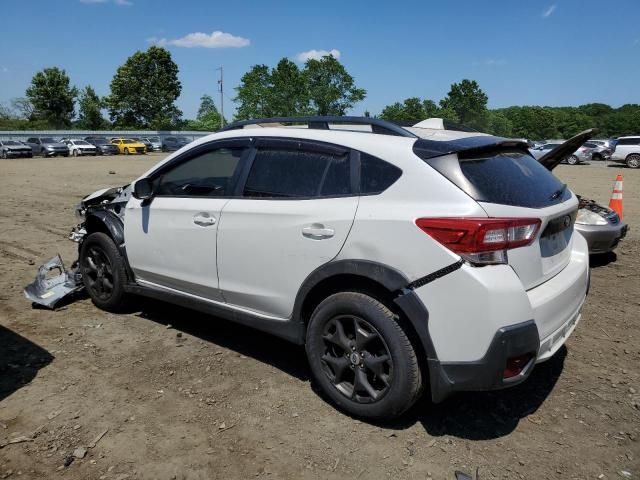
<point>184,396</point>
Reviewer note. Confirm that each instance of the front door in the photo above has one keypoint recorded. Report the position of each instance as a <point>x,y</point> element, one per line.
<point>171,240</point>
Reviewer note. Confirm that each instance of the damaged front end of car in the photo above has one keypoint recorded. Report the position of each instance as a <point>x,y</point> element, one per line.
<point>102,210</point>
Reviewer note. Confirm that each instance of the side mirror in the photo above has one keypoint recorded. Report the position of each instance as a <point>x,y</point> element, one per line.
<point>143,189</point>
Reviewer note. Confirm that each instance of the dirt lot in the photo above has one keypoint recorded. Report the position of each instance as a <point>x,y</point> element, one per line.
<point>203,399</point>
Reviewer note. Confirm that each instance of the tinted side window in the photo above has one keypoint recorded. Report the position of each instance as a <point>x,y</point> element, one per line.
<point>281,173</point>
<point>629,141</point>
<point>376,175</point>
<point>205,175</point>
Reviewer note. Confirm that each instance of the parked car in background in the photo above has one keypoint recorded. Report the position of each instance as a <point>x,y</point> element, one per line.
<point>627,150</point>
<point>14,149</point>
<point>600,226</point>
<point>47,147</point>
<point>599,150</point>
<point>103,146</point>
<point>148,145</point>
<point>170,144</point>
<point>580,155</point>
<point>129,146</point>
<point>154,142</point>
<point>79,147</point>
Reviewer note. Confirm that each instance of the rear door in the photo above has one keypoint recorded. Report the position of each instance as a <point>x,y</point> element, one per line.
<point>295,211</point>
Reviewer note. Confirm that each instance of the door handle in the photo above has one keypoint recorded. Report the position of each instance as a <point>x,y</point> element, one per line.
<point>317,231</point>
<point>204,219</point>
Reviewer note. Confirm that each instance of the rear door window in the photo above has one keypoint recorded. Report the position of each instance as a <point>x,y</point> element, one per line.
<point>297,173</point>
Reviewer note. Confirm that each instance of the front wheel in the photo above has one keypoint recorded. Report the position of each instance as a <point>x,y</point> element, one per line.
<point>75,153</point>
<point>572,160</point>
<point>633,161</point>
<point>4,154</point>
<point>361,357</point>
<point>103,272</point>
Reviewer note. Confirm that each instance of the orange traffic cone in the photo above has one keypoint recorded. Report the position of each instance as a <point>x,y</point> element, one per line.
<point>615,203</point>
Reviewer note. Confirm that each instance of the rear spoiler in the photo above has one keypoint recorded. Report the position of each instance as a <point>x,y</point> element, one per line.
<point>426,149</point>
<point>563,151</point>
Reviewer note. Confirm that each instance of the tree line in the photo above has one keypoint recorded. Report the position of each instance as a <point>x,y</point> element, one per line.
<point>466,104</point>
<point>144,90</point>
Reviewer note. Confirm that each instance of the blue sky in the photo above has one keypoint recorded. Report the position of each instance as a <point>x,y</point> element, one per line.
<point>558,52</point>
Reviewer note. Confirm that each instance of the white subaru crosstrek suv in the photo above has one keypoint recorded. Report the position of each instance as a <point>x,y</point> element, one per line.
<point>399,262</point>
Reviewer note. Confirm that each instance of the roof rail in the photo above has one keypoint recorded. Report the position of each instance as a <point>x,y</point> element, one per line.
<point>322,123</point>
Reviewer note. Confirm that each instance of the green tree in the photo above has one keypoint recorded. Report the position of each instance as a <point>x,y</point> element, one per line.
<point>208,119</point>
<point>52,97</point>
<point>90,110</point>
<point>144,89</point>
<point>498,124</point>
<point>331,90</point>
<point>468,102</point>
<point>254,94</point>
<point>288,94</point>
<point>413,110</point>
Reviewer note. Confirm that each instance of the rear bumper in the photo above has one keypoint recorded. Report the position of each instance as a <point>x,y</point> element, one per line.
<point>478,318</point>
<point>603,239</point>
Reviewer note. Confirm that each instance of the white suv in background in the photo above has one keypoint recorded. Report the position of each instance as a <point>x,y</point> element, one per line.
<point>399,262</point>
<point>627,150</point>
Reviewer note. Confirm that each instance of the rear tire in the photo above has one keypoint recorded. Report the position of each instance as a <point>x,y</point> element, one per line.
<point>633,161</point>
<point>361,358</point>
<point>572,160</point>
<point>103,272</point>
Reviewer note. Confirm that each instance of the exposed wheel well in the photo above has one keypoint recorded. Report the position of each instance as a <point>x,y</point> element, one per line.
<point>367,286</point>
<point>94,224</point>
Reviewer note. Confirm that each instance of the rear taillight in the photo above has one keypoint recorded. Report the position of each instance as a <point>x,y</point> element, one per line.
<point>481,241</point>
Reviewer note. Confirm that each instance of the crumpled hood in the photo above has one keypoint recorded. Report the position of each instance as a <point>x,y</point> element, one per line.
<point>108,195</point>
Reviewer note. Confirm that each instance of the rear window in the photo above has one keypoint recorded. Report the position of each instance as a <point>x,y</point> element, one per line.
<point>506,177</point>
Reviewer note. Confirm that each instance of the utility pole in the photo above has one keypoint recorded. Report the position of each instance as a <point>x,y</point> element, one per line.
<point>221,90</point>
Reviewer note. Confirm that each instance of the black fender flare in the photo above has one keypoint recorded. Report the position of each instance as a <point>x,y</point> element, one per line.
<point>115,228</point>
<point>394,281</point>
<point>111,222</point>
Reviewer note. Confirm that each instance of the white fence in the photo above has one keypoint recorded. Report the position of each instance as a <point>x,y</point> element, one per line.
<point>23,135</point>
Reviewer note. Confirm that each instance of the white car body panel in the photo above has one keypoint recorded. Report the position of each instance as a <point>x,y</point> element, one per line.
<point>263,256</point>
<point>166,247</point>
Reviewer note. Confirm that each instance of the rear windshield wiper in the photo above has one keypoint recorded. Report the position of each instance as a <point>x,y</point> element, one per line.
<point>558,193</point>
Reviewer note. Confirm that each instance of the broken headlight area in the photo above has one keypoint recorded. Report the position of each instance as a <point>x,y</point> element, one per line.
<point>53,283</point>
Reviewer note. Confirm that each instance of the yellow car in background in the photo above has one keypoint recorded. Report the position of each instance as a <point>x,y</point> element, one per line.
<point>128,146</point>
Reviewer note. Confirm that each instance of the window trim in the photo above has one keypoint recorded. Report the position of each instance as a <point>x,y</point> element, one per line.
<point>241,143</point>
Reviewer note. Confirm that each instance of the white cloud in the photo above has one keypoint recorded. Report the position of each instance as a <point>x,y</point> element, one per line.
<point>317,54</point>
<point>5,70</point>
<point>122,3</point>
<point>215,39</point>
<point>491,62</point>
<point>549,11</point>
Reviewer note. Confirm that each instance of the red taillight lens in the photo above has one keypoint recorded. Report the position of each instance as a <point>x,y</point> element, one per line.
<point>515,365</point>
<point>473,237</point>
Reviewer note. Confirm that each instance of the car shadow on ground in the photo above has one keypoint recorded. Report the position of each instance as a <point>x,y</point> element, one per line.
<point>490,415</point>
<point>469,415</point>
<point>20,361</point>
<point>602,259</point>
<point>247,341</point>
